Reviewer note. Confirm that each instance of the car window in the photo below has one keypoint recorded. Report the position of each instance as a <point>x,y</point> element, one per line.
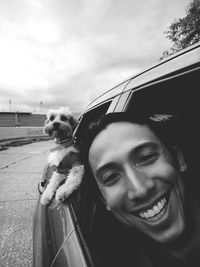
<point>178,94</point>
<point>89,116</point>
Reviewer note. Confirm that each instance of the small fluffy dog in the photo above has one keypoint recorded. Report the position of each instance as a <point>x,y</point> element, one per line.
<point>64,158</point>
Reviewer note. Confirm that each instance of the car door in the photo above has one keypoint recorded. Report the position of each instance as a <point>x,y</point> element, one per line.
<point>48,234</point>
<point>57,238</point>
<point>73,250</point>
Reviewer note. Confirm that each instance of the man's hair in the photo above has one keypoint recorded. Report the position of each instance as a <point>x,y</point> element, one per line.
<point>165,126</point>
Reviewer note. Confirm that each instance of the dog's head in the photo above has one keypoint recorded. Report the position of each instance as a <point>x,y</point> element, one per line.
<point>60,123</point>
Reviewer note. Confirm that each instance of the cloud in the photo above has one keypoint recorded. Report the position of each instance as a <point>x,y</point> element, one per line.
<point>65,52</point>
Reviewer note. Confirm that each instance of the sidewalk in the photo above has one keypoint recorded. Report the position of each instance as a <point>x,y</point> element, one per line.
<point>21,170</point>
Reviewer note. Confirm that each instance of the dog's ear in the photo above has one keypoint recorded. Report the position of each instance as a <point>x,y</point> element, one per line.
<point>45,123</point>
<point>73,122</point>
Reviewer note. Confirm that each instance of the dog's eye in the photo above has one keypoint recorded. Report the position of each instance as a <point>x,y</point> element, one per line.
<point>63,118</point>
<point>51,118</point>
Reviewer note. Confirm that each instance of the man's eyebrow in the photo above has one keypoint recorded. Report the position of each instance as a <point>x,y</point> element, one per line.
<point>109,165</point>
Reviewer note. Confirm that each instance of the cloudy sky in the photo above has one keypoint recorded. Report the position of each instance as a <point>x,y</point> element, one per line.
<point>65,52</point>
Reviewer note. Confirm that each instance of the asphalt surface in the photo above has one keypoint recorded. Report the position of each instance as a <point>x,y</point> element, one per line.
<point>20,171</point>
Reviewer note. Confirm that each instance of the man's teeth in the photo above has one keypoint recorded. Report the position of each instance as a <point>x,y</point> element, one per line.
<point>155,210</point>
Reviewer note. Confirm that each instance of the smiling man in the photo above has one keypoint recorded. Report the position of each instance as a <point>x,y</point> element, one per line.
<point>140,173</point>
<point>139,180</point>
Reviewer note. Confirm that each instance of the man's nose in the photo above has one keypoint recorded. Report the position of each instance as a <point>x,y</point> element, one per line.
<point>139,184</point>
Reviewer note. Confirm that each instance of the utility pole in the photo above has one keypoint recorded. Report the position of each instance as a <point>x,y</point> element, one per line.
<point>10,104</point>
<point>41,106</point>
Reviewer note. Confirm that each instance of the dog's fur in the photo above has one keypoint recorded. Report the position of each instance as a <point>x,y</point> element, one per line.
<point>69,171</point>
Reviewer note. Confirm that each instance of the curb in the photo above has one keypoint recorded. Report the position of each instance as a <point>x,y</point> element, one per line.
<point>21,141</point>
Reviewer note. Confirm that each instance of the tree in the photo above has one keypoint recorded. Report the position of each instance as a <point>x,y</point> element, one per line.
<point>185,31</point>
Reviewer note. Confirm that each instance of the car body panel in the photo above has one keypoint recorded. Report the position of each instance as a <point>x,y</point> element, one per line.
<point>50,234</point>
<point>70,252</point>
<point>57,238</point>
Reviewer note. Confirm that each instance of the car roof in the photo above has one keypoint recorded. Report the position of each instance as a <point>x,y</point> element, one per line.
<point>178,63</point>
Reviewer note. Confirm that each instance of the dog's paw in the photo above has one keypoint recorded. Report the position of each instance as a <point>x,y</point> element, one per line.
<point>46,197</point>
<point>72,182</point>
<point>60,194</point>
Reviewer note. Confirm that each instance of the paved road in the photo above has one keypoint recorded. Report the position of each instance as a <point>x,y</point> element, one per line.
<point>20,170</point>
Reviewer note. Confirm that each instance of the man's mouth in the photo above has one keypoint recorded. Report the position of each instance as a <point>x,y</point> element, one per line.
<point>156,211</point>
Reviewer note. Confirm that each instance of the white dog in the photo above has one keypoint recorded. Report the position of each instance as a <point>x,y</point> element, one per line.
<point>64,158</point>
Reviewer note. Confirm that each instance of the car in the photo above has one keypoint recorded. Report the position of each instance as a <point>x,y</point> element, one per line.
<point>81,233</point>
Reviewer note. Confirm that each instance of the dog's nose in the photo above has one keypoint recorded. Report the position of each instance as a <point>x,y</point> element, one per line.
<point>55,125</point>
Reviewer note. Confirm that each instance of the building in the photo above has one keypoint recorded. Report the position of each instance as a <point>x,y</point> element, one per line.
<point>25,119</point>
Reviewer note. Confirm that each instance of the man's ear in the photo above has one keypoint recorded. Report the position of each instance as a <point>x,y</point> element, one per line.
<point>181,161</point>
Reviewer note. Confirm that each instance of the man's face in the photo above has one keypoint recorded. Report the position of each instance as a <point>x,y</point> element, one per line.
<point>139,180</point>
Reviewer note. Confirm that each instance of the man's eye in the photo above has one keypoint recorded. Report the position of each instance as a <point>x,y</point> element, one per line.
<point>148,158</point>
<point>111,179</point>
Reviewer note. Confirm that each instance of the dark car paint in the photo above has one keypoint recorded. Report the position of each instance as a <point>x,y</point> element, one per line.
<point>58,238</point>
<point>72,235</point>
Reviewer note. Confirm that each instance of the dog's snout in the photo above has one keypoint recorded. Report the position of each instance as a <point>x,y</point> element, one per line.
<point>56,125</point>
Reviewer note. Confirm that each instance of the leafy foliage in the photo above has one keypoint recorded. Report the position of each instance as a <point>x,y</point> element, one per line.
<point>185,31</point>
